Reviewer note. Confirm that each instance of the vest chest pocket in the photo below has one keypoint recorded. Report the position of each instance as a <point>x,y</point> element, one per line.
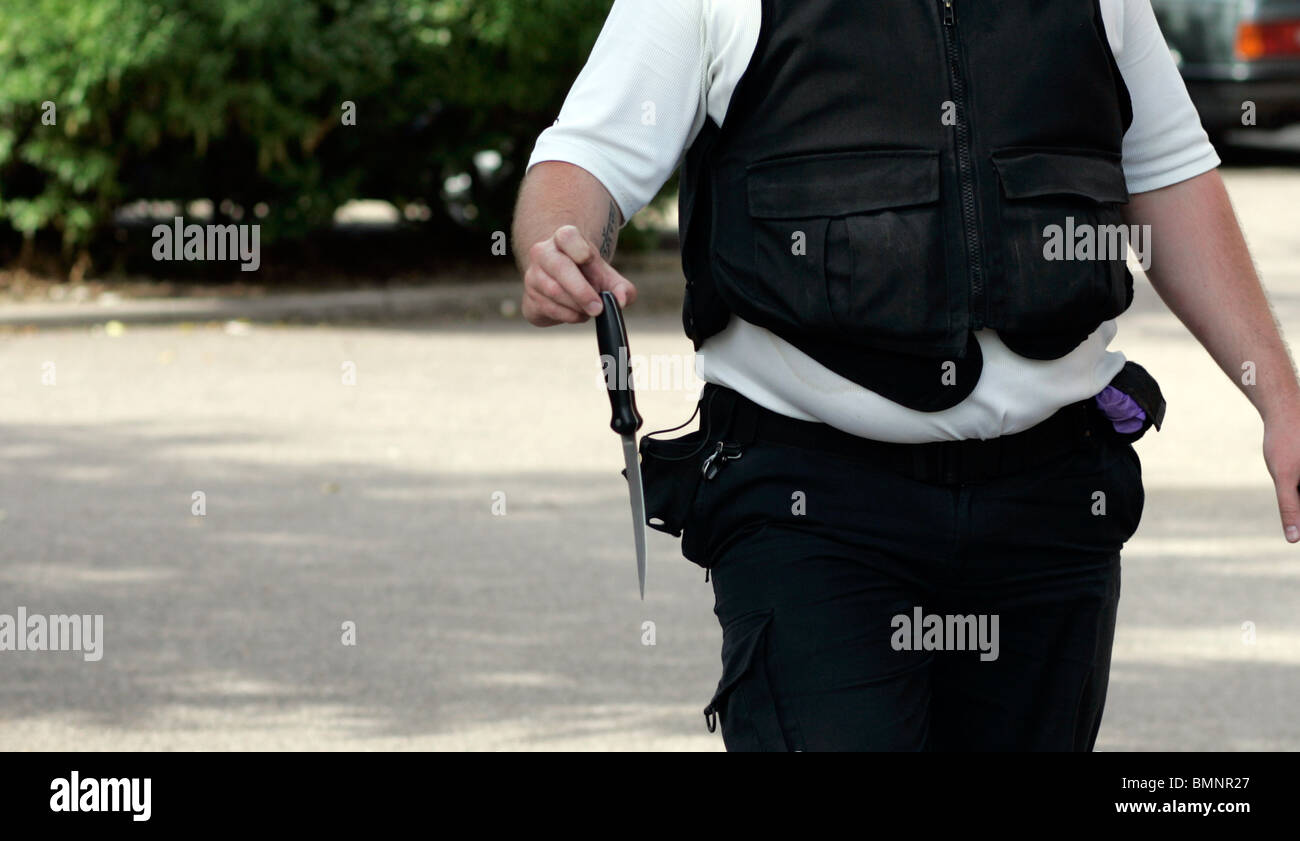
<point>853,244</point>
<point>1063,248</point>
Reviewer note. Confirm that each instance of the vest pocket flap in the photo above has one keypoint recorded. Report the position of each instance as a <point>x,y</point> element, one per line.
<point>1026,174</point>
<point>842,184</point>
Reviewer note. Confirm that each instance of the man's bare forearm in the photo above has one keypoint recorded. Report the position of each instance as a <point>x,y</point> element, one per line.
<point>565,230</point>
<point>1201,268</point>
<point>556,194</point>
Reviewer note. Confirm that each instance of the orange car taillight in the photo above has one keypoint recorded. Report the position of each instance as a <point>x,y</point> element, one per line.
<point>1276,39</point>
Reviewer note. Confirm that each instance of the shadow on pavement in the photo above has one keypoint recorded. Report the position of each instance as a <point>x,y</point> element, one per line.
<point>239,612</point>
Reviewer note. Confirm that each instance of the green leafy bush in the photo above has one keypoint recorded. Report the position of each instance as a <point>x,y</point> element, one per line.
<point>240,102</point>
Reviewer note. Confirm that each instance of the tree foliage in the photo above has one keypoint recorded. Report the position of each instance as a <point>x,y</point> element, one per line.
<point>240,102</point>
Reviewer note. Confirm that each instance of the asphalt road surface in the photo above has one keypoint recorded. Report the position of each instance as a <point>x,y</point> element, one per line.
<point>453,491</point>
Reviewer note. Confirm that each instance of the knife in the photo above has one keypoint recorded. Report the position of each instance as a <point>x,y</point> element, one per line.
<point>616,364</point>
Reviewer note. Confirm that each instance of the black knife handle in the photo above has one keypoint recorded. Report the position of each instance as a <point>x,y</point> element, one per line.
<point>616,364</point>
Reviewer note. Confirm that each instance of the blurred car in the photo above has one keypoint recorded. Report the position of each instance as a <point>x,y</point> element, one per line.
<point>1235,51</point>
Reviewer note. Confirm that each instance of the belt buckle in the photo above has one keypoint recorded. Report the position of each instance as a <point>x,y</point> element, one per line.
<point>950,462</point>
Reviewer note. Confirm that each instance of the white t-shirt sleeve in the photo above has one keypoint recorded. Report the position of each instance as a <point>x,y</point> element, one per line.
<point>637,101</point>
<point>1166,143</point>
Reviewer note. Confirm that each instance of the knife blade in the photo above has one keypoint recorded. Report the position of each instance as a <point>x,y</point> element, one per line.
<point>611,337</point>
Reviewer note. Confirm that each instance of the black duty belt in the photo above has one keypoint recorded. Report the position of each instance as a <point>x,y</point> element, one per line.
<point>734,418</point>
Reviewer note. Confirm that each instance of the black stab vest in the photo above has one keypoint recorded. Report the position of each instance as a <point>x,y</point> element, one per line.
<point>884,179</point>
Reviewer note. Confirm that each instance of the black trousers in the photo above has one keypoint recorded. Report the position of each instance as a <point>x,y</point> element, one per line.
<point>814,556</point>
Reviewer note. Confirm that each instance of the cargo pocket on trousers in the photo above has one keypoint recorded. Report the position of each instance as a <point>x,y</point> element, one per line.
<point>743,703</point>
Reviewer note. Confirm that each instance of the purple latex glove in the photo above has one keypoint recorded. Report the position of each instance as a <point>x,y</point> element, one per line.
<point>1123,411</point>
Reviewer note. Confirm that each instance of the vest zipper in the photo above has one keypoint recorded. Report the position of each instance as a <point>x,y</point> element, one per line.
<point>965,168</point>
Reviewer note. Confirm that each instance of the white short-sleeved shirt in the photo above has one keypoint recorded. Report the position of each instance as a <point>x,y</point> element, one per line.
<point>661,68</point>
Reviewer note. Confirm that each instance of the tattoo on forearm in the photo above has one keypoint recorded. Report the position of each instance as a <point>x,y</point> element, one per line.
<point>607,235</point>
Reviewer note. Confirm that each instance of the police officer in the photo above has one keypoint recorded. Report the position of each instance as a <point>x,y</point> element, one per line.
<point>904,231</point>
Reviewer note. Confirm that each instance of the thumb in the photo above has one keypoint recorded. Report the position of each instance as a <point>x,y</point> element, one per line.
<point>599,273</point>
<point>1288,504</point>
